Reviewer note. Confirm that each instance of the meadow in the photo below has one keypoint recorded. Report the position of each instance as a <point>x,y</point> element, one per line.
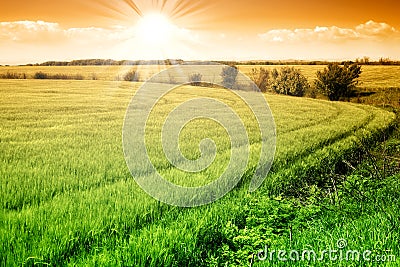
<point>373,77</point>
<point>68,198</point>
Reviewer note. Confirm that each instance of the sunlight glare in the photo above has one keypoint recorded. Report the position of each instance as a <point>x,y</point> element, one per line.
<point>154,29</point>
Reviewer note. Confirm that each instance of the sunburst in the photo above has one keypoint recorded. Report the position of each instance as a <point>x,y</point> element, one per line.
<point>155,29</point>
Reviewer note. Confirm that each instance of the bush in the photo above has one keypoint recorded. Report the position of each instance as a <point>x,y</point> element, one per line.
<point>195,79</point>
<point>40,75</point>
<point>131,76</point>
<point>229,75</point>
<point>289,81</point>
<point>12,75</point>
<point>261,77</point>
<point>59,76</point>
<point>337,82</point>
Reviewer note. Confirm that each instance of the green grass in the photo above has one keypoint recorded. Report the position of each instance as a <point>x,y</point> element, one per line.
<point>360,208</point>
<point>67,197</point>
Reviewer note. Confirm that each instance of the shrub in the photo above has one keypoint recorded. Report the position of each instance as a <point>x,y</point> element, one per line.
<point>58,76</point>
<point>229,75</point>
<point>195,79</point>
<point>289,81</point>
<point>131,76</point>
<point>40,75</point>
<point>337,82</point>
<point>13,75</point>
<point>261,77</point>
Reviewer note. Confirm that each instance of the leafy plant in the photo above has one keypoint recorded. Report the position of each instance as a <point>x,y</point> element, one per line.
<point>40,75</point>
<point>261,77</point>
<point>337,82</point>
<point>289,81</point>
<point>195,79</point>
<point>229,75</point>
<point>131,76</point>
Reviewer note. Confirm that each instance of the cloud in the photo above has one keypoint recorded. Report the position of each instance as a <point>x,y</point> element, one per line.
<point>41,32</point>
<point>28,31</point>
<point>93,34</point>
<point>368,30</point>
<point>374,29</point>
<point>29,41</point>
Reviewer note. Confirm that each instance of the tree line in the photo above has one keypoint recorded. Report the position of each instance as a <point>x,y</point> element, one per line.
<point>111,62</point>
<point>108,62</point>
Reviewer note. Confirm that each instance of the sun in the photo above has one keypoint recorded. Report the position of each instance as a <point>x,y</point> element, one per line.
<point>155,29</point>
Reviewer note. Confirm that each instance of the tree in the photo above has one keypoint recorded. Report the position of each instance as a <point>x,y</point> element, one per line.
<point>289,81</point>
<point>336,81</point>
<point>261,77</point>
<point>229,75</point>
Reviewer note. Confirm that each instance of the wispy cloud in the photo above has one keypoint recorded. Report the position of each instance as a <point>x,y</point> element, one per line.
<point>28,31</point>
<point>369,30</point>
<point>41,31</point>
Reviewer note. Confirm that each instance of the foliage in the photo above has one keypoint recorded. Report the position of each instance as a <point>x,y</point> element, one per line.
<point>195,78</point>
<point>261,77</point>
<point>40,75</point>
<point>58,76</point>
<point>289,81</point>
<point>229,75</point>
<point>131,76</point>
<point>267,222</point>
<point>360,208</point>
<point>110,62</point>
<point>13,75</point>
<point>337,82</point>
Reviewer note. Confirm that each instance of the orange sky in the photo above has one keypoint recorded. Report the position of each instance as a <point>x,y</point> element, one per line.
<point>216,29</point>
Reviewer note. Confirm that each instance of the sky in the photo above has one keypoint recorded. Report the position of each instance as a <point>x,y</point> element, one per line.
<point>43,30</point>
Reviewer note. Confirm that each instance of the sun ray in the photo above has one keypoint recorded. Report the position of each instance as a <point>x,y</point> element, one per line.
<point>134,7</point>
<point>157,31</point>
<point>164,2</point>
<point>182,5</point>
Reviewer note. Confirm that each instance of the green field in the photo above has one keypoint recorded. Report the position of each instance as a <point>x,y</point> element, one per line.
<point>67,196</point>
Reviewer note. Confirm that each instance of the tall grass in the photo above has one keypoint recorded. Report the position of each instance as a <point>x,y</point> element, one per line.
<point>67,196</point>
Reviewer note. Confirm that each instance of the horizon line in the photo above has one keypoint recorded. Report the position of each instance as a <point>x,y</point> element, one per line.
<point>290,60</point>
